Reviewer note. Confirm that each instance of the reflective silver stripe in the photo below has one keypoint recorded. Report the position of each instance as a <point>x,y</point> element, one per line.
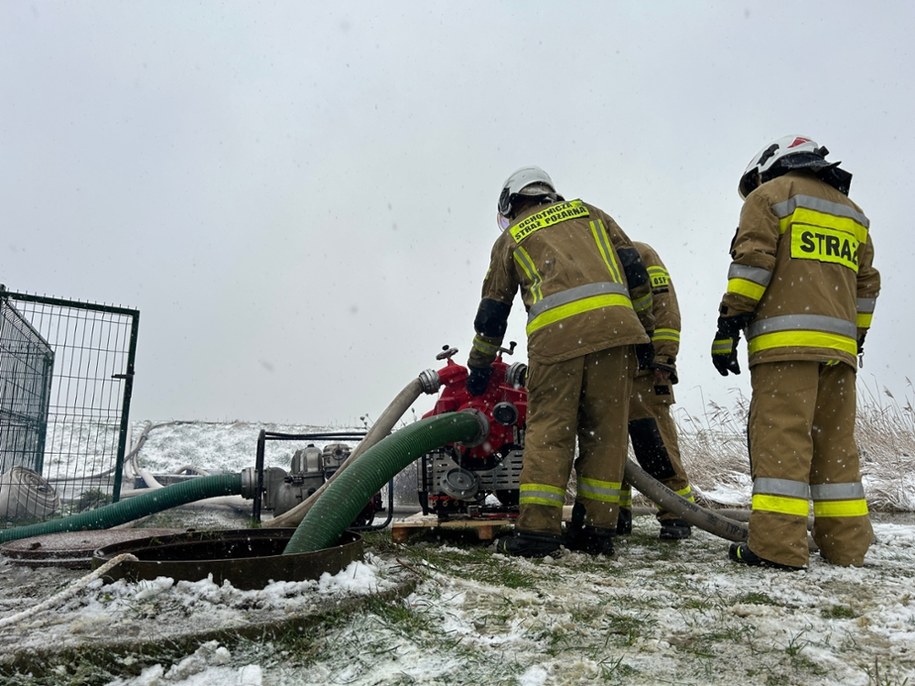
<point>644,303</point>
<point>485,347</point>
<point>572,294</point>
<point>847,491</point>
<point>786,487</point>
<point>866,304</point>
<point>596,490</point>
<point>754,274</point>
<point>722,346</point>
<point>784,209</point>
<point>803,322</point>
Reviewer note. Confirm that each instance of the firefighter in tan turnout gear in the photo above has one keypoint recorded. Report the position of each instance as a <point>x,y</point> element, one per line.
<point>585,291</point>
<point>802,287</point>
<point>651,427</point>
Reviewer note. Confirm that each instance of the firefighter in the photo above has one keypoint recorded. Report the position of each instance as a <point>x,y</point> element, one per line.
<point>651,427</point>
<point>588,303</point>
<point>802,289</point>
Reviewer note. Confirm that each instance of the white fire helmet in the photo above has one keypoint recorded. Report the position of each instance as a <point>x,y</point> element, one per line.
<point>530,181</point>
<point>781,156</point>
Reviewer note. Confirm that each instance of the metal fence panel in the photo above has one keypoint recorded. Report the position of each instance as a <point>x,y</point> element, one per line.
<point>87,408</point>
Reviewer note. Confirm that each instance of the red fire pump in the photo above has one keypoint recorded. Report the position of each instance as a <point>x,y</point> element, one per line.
<point>482,478</point>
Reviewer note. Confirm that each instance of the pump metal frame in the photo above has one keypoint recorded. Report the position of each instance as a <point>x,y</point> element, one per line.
<point>265,436</point>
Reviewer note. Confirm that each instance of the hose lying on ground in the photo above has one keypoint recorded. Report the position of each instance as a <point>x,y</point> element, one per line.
<point>707,520</point>
<point>666,499</point>
<point>345,496</point>
<point>134,508</point>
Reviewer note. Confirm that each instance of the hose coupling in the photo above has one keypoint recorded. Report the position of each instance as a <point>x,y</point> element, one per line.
<point>429,381</point>
<point>484,428</point>
<point>516,375</point>
<point>248,483</point>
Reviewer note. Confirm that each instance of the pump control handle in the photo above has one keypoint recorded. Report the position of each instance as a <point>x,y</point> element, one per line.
<point>510,350</point>
<point>447,353</point>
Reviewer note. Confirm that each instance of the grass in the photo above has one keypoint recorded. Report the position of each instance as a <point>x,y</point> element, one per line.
<point>714,450</point>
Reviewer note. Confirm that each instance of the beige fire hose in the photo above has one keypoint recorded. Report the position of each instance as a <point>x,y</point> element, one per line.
<point>381,428</point>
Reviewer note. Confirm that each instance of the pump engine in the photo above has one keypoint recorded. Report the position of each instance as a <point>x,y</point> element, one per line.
<point>310,468</point>
<point>483,478</point>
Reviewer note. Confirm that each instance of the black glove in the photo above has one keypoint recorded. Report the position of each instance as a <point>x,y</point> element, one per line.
<point>728,326</point>
<point>669,368</point>
<point>478,380</point>
<point>724,352</point>
<point>644,353</point>
<point>861,342</point>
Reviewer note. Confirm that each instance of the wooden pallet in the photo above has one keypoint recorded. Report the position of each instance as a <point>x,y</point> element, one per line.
<point>485,529</point>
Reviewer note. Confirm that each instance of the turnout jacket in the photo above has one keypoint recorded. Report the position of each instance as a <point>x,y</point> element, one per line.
<point>582,283</point>
<point>666,309</point>
<point>803,267</point>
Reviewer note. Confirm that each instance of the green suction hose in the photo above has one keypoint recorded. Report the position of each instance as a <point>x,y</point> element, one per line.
<point>133,508</point>
<point>347,494</point>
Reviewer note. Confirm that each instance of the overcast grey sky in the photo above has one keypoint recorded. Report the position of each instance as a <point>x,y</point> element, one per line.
<point>299,197</point>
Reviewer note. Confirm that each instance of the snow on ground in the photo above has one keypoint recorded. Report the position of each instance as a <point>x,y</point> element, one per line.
<point>459,613</point>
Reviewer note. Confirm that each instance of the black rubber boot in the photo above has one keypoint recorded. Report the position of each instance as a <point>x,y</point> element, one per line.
<point>591,539</point>
<point>741,553</point>
<point>529,544</point>
<point>675,529</point>
<point>624,522</point>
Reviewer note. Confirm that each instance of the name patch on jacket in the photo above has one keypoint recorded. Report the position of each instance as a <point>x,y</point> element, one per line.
<point>554,214</point>
<point>660,279</point>
<point>825,245</point>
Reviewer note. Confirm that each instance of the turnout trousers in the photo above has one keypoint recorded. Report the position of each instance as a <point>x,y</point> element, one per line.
<point>802,447</point>
<point>654,439</point>
<point>585,398</point>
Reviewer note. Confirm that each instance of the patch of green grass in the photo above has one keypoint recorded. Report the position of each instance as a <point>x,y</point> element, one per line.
<point>838,612</point>
<point>616,671</point>
<point>756,598</point>
<point>703,604</point>
<point>877,675</point>
<point>475,563</point>
<point>399,616</point>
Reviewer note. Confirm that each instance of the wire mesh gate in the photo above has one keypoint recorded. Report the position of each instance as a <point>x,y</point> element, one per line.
<point>66,379</point>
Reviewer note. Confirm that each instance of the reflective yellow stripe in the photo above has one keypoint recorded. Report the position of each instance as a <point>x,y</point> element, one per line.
<point>600,491</point>
<point>722,346</point>
<point>864,319</point>
<point>534,500</point>
<point>523,258</point>
<point>813,218</point>
<point>578,307</point>
<point>802,339</point>
<point>666,335</point>
<point>626,498</point>
<point>541,494</point>
<point>687,493</point>
<point>644,303</point>
<point>780,504</point>
<point>597,483</point>
<point>605,247</point>
<point>485,347</point>
<point>751,290</point>
<point>840,508</point>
